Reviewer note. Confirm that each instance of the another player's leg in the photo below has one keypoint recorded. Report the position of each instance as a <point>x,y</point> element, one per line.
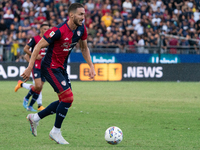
<point>21,84</point>
<point>26,98</point>
<point>18,86</point>
<point>39,102</point>
<point>35,93</point>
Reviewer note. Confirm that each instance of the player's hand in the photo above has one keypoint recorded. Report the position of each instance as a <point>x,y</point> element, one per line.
<point>26,74</point>
<point>39,57</point>
<point>92,73</point>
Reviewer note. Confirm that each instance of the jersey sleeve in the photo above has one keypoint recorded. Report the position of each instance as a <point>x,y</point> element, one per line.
<point>31,42</point>
<point>84,36</point>
<point>52,35</point>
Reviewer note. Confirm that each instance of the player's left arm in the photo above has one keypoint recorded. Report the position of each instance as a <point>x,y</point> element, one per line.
<point>86,54</point>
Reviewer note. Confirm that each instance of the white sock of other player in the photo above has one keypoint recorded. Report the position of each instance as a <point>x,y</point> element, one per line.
<point>26,86</point>
<point>39,100</point>
<point>55,130</point>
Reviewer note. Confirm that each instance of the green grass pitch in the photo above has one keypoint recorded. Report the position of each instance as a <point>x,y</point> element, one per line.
<point>152,116</point>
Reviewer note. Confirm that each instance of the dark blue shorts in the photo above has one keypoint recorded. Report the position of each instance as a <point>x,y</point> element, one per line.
<point>36,73</point>
<point>58,78</point>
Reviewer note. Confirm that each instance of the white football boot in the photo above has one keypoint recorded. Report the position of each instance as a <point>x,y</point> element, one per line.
<point>33,124</point>
<point>58,138</point>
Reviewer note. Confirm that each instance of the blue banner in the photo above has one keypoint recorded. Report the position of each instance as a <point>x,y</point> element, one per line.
<point>139,58</point>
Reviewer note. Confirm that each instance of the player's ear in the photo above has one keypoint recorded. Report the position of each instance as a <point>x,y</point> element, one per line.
<point>71,14</point>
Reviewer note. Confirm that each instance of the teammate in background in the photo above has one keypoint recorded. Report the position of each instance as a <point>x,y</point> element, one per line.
<point>60,41</point>
<point>36,70</point>
<point>27,86</point>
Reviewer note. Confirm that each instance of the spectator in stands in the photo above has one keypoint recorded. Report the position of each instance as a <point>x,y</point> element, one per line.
<point>33,32</point>
<point>92,31</point>
<point>127,6</point>
<point>173,43</point>
<point>41,8</point>
<point>27,5</point>
<point>107,19</point>
<point>154,6</point>
<point>123,43</point>
<point>156,19</point>
<point>41,18</point>
<point>105,10</point>
<point>23,16</point>
<point>131,44</point>
<point>98,4</point>
<point>3,26</point>
<point>16,11</point>
<point>14,50</point>
<point>115,6</point>
<point>117,18</point>
<point>8,17</point>
<point>139,28</point>
<point>140,44</point>
<point>7,7</point>
<point>185,48</point>
<point>90,5</point>
<point>26,26</point>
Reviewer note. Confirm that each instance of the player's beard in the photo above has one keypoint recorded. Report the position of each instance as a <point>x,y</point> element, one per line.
<point>76,22</point>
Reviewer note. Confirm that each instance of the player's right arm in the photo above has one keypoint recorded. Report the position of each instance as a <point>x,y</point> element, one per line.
<point>30,44</point>
<point>27,57</point>
<point>41,44</point>
<point>26,50</point>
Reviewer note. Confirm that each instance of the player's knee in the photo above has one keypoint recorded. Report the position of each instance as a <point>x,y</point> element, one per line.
<point>38,86</point>
<point>36,89</point>
<point>66,96</point>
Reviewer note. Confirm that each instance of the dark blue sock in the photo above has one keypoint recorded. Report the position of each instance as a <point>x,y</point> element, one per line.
<point>34,98</point>
<point>49,110</point>
<point>61,112</point>
<point>29,94</point>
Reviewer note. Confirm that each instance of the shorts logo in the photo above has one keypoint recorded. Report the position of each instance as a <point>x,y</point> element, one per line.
<point>35,75</point>
<point>52,33</point>
<point>78,33</point>
<point>63,83</point>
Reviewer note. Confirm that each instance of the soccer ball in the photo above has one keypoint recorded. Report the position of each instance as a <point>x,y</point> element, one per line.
<point>113,135</point>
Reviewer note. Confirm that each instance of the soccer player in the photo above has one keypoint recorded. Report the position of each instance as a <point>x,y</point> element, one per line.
<point>27,86</point>
<point>60,41</point>
<point>36,71</point>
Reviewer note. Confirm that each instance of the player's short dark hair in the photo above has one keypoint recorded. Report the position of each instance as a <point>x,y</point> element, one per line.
<point>44,24</point>
<point>74,6</point>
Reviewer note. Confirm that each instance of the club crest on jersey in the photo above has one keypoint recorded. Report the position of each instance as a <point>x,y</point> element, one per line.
<point>52,33</point>
<point>78,33</point>
<point>63,83</point>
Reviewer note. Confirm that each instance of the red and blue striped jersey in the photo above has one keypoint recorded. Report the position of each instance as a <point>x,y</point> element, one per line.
<point>32,42</point>
<point>61,41</point>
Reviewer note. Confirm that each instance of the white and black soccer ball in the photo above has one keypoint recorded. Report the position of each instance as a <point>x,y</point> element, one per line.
<point>113,135</point>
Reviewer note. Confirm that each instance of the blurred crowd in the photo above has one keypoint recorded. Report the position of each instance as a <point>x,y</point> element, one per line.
<point>110,23</point>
